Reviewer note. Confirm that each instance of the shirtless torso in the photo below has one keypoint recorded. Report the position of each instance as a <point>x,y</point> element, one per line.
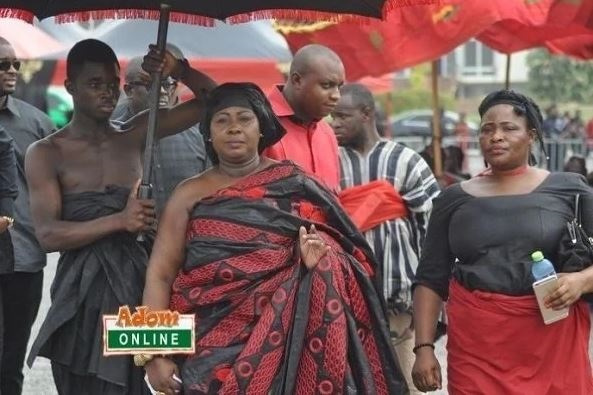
<point>90,153</point>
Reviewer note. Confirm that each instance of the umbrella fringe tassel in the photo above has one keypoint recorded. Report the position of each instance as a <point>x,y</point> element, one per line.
<point>299,15</point>
<point>290,14</point>
<point>83,16</point>
<point>24,15</point>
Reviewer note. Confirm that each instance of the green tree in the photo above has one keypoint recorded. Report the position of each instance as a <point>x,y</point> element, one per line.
<point>559,79</point>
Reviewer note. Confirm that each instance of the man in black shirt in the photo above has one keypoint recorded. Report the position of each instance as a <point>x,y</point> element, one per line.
<point>21,287</point>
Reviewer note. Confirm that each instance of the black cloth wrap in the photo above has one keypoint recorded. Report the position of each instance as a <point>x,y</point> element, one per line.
<point>91,281</point>
<point>233,100</point>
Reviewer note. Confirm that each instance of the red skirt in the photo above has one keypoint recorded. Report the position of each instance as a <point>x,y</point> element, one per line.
<point>499,344</point>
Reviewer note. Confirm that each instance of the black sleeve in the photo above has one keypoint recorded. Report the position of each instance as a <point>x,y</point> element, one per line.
<point>8,186</point>
<point>436,261</point>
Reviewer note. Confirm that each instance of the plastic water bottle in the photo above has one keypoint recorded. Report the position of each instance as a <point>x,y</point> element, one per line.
<point>541,267</point>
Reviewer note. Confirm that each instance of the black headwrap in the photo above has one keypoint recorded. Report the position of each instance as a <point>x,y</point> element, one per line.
<point>247,95</point>
<point>523,106</point>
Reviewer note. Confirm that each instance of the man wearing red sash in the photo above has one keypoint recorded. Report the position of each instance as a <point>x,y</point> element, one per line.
<point>388,191</point>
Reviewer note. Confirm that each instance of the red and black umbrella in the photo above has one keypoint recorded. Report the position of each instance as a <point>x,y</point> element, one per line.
<point>195,12</point>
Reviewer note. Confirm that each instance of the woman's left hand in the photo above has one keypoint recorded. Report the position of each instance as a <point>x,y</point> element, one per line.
<point>570,288</point>
<point>312,246</point>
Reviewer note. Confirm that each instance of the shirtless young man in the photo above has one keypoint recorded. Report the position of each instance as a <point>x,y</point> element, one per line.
<point>83,182</point>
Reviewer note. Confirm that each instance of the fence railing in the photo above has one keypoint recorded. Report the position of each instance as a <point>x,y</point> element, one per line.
<point>558,151</point>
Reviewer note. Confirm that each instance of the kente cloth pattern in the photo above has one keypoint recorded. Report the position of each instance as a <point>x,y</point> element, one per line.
<point>91,281</point>
<point>264,323</point>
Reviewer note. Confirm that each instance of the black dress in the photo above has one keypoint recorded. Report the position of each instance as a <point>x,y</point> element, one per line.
<point>91,281</point>
<point>485,243</point>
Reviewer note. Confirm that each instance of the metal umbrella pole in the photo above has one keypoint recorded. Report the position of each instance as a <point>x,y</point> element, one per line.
<point>145,189</point>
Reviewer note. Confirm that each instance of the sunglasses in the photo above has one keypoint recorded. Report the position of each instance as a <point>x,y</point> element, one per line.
<point>167,84</point>
<point>5,65</point>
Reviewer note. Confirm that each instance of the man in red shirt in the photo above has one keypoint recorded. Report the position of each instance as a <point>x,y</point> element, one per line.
<point>310,94</point>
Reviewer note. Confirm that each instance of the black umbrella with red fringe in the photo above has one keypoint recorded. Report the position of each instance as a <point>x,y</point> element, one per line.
<point>200,12</point>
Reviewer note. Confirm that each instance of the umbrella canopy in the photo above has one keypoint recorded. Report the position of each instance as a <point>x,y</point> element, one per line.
<point>544,20</point>
<point>580,46</point>
<point>28,41</point>
<point>202,12</point>
<point>406,37</point>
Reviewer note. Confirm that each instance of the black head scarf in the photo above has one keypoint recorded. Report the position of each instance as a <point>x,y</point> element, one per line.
<point>523,106</point>
<point>247,95</point>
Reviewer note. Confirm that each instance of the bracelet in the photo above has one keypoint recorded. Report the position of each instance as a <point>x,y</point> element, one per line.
<point>419,346</point>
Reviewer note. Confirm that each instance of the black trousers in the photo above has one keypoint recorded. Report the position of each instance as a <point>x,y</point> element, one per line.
<point>20,296</point>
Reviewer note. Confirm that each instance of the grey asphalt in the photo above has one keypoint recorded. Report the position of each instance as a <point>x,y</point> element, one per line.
<point>39,381</point>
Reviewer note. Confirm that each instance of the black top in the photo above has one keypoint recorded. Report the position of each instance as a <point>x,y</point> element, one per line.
<point>486,242</point>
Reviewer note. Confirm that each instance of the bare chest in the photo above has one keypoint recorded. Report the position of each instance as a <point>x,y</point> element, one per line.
<point>85,166</point>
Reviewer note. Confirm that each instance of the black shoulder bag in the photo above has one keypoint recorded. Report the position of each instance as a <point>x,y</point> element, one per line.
<point>576,247</point>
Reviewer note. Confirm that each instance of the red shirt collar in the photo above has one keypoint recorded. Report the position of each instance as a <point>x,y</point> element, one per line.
<point>279,104</point>
<point>282,108</point>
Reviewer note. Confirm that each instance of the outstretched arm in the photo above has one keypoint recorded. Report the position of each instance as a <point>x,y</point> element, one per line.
<point>183,116</point>
<point>168,252</point>
<point>165,261</point>
<point>427,371</point>
<point>55,234</point>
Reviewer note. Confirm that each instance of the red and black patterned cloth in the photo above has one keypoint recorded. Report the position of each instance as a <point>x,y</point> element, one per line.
<point>264,323</point>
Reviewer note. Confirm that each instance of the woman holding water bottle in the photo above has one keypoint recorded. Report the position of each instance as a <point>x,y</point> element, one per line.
<point>477,256</point>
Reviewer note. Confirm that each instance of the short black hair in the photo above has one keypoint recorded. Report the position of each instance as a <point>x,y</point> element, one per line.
<point>89,50</point>
<point>523,106</point>
<point>361,95</point>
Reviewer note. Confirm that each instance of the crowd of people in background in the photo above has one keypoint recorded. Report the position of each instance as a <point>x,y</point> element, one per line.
<point>315,250</point>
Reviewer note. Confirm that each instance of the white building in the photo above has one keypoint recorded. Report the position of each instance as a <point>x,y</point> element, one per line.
<point>478,69</point>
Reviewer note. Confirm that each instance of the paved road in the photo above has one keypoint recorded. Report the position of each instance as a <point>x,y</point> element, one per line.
<point>38,380</point>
